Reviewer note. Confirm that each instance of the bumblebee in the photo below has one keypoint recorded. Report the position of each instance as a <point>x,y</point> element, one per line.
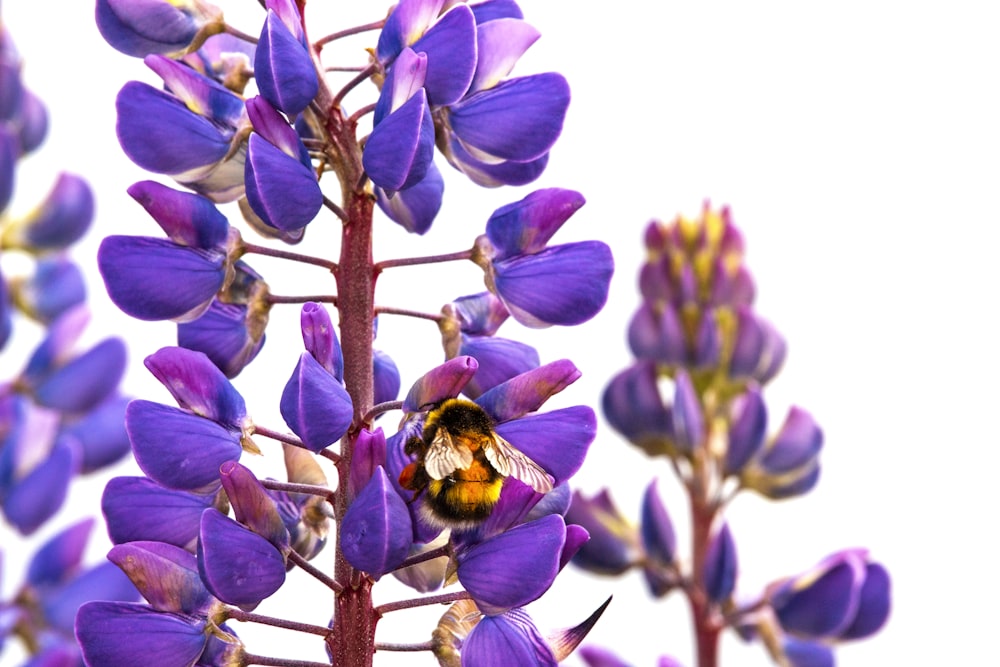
<point>462,462</point>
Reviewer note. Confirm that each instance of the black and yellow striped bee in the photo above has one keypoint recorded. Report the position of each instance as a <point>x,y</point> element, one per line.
<point>462,462</point>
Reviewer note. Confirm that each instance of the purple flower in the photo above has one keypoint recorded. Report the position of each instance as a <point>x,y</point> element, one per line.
<point>56,286</point>
<point>614,545</point>
<point>508,639</point>
<point>60,221</point>
<point>376,533</point>
<point>237,565</point>
<point>283,64</point>
<point>160,132</point>
<point>141,27</point>
<point>139,509</point>
<point>542,285</point>
<point>788,465</point>
<point>845,596</point>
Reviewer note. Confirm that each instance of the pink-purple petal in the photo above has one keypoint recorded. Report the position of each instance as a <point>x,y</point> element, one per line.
<point>198,385</point>
<point>441,382</point>
<point>527,392</point>
<point>525,226</point>
<point>252,505</point>
<point>166,575</point>
<point>186,218</point>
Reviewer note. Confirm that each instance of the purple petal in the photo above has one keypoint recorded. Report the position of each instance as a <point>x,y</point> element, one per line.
<point>101,434</point>
<point>102,582</point>
<point>238,566</point>
<point>824,601</point>
<point>657,529</point>
<point>501,43</point>
<point>399,150</point>
<point>507,639</point>
<point>177,449</point>
<point>376,533</point>
<point>107,631</point>
<point>283,68</point>
<point>689,423</point>
<point>444,381</point>
<point>186,218</point>
<point>796,444</point>
<point>204,96</point>
<point>369,455</point>
<point>415,207</point>
<point>873,606</point>
<point>56,286</point>
<point>279,188</point>
<point>35,498</point>
<point>526,226</point>
<point>58,559</point>
<point>528,555</point>
<point>315,404</point>
<point>749,346</point>
<point>557,440</point>
<point>156,279</point>
<point>140,27</point>
<point>9,152</point>
<point>320,338</point>
<point>160,134</point>
<point>491,10</point>
<point>450,45</point>
<point>252,504</point>
<point>387,381</point>
<point>402,81</point>
<point>633,406</point>
<point>275,128</point>
<point>407,22</point>
<point>528,391</point>
<point>594,656</point>
<point>719,577</point>
<point>747,429</point>
<point>656,334</point>
<point>518,119</point>
<point>136,508</point>
<point>62,218</point>
<point>166,575</point>
<point>500,359</point>
<point>493,174</point>
<point>198,386</point>
<point>807,654</point>
<point>480,314</point>
<point>565,285</point>
<point>228,334</point>
<point>85,381</point>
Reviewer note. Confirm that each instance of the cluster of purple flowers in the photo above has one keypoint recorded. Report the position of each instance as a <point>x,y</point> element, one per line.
<point>60,412</point>
<point>201,536</point>
<point>694,396</point>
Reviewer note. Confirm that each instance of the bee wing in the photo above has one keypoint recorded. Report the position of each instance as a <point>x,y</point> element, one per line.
<point>444,456</point>
<point>510,462</point>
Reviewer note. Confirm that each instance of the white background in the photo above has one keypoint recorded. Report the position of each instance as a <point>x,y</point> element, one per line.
<point>857,144</point>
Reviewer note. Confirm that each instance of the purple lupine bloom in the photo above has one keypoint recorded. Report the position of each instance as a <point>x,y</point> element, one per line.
<point>59,221</point>
<point>141,27</point>
<point>542,285</point>
<point>186,133</point>
<point>283,64</point>
<point>399,151</point>
<point>212,415</point>
<point>281,186</point>
<point>174,278</point>
<point>55,287</point>
<point>846,596</point>
<point>229,334</point>
<point>787,465</point>
<point>314,403</point>
<point>376,533</point>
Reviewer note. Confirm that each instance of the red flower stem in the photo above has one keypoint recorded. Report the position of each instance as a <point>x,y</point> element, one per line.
<point>430,259</point>
<point>251,248</point>
<point>423,646</point>
<point>249,617</point>
<point>446,598</point>
<point>426,556</point>
<point>290,487</point>
<point>320,298</point>
<point>251,659</point>
<point>389,310</point>
<point>382,408</point>
<point>375,25</point>
<point>706,630</point>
